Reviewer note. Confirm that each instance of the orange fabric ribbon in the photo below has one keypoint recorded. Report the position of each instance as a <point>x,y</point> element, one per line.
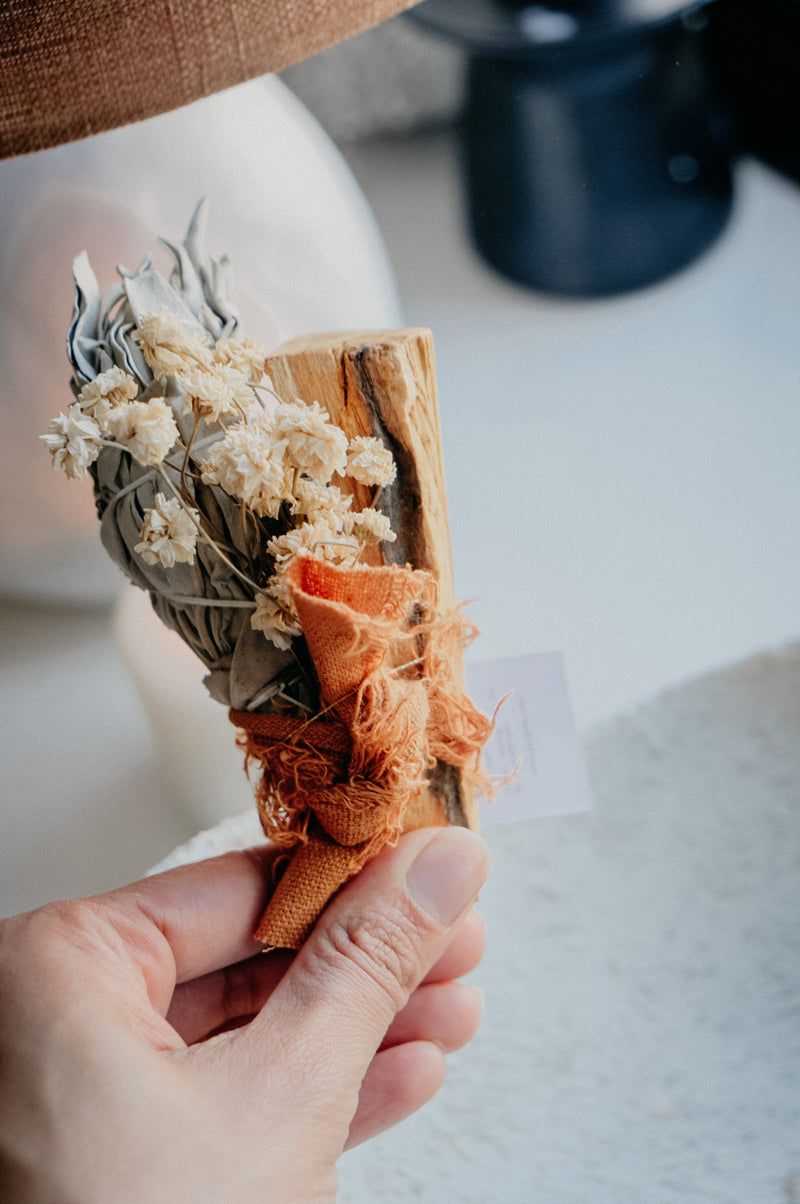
<point>333,788</point>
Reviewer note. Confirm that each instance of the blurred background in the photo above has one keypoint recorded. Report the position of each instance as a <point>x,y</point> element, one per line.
<point>595,207</point>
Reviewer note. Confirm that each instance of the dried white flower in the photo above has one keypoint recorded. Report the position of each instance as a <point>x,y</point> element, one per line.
<point>277,625</point>
<point>370,462</point>
<point>370,526</point>
<point>249,463</point>
<point>212,392</point>
<point>315,501</point>
<point>316,447</point>
<point>278,589</point>
<point>73,440</point>
<point>170,346</point>
<point>319,538</point>
<point>108,390</point>
<point>146,428</point>
<point>169,533</point>
<point>244,355</point>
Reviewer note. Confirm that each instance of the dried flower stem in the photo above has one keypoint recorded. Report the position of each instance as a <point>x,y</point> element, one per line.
<point>206,538</point>
<point>266,389</point>
<point>188,450</point>
<point>295,702</point>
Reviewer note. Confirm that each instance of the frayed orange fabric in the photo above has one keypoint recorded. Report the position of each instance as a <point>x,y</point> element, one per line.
<point>334,787</point>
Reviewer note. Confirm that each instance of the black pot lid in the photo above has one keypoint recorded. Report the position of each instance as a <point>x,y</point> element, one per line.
<point>514,28</point>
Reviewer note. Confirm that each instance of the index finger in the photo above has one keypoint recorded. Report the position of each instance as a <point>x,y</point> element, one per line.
<point>207,911</point>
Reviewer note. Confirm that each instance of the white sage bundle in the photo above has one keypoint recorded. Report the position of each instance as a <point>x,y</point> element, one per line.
<point>206,486</point>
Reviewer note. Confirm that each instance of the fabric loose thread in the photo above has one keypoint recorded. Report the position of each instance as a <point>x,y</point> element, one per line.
<point>333,789</point>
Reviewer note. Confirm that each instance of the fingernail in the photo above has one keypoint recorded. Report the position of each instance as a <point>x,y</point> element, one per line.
<point>447,875</point>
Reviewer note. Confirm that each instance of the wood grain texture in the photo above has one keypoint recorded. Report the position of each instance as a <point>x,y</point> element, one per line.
<point>383,383</point>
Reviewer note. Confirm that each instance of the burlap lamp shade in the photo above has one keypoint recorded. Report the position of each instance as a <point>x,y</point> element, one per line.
<point>72,68</point>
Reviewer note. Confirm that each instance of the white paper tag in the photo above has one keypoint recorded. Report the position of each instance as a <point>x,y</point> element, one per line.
<point>535,727</point>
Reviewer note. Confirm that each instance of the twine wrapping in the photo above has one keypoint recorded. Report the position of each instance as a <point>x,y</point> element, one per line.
<point>334,787</point>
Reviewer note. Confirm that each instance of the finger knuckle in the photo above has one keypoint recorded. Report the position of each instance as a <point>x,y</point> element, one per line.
<point>39,941</point>
<point>65,920</point>
<point>382,948</point>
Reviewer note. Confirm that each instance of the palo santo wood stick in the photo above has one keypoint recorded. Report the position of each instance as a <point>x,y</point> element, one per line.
<point>383,384</point>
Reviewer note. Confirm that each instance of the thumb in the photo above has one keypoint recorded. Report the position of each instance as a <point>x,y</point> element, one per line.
<point>369,951</point>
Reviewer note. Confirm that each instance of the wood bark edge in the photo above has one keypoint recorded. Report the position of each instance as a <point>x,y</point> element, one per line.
<point>383,383</point>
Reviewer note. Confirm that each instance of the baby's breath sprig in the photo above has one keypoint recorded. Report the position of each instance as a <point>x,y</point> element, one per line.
<point>276,461</point>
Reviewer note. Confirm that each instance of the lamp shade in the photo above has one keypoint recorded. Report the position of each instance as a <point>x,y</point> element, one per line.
<point>73,68</point>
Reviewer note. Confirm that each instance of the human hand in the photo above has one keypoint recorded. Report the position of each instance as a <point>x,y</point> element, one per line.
<point>147,1056</point>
